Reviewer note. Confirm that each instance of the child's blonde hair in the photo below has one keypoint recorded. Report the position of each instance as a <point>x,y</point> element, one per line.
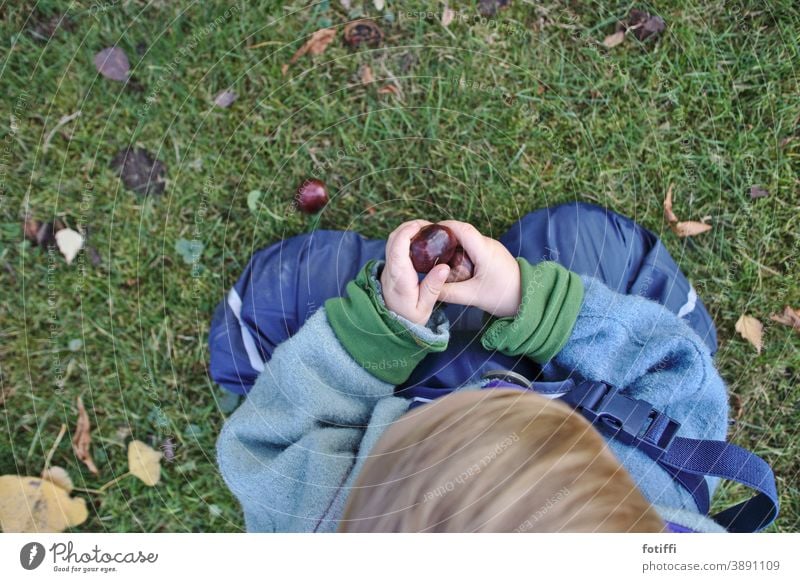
<point>495,460</point>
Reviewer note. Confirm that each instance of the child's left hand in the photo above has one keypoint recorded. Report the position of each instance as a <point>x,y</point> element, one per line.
<point>402,291</point>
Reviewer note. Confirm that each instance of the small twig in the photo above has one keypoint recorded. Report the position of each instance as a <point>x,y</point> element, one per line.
<point>49,457</point>
<point>61,123</point>
<point>86,490</point>
<point>260,44</point>
<point>110,483</point>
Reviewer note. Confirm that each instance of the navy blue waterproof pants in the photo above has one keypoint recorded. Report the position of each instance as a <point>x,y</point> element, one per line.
<point>284,284</point>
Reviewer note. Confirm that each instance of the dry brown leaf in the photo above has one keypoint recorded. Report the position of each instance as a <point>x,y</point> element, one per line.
<point>33,505</point>
<point>144,462</point>
<point>758,192</point>
<point>389,88</point>
<point>615,39</point>
<point>668,213</point>
<point>790,317</point>
<point>58,476</point>
<point>315,45</point>
<point>690,228</point>
<point>82,440</point>
<point>365,72</point>
<point>447,16</point>
<point>752,330</point>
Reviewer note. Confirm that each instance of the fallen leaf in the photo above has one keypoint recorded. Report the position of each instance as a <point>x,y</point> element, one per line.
<point>790,317</point>
<point>46,28</point>
<point>59,477</point>
<point>752,330</point>
<point>82,439</point>
<point>689,228</point>
<point>113,64</point>
<point>615,39</point>
<point>490,7</point>
<point>447,16</point>
<point>139,171</point>
<point>758,192</point>
<point>190,250</point>
<point>284,69</point>
<point>736,406</point>
<point>315,45</point>
<point>389,88</point>
<point>252,200</point>
<point>46,238</point>
<point>30,228</point>
<point>69,243</point>
<point>225,98</point>
<point>363,31</point>
<point>644,25</point>
<point>168,448</point>
<point>365,74</point>
<point>33,505</point>
<point>144,463</point>
<point>668,213</point>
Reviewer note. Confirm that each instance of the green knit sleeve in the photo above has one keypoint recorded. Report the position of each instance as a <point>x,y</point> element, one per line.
<point>385,344</point>
<point>551,299</point>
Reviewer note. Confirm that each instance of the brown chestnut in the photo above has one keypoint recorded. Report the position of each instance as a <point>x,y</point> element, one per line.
<point>461,267</point>
<point>311,196</point>
<point>432,245</point>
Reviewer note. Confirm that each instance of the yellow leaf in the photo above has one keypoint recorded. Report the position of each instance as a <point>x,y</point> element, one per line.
<point>615,39</point>
<point>751,329</point>
<point>59,477</point>
<point>690,228</point>
<point>144,463</point>
<point>33,505</point>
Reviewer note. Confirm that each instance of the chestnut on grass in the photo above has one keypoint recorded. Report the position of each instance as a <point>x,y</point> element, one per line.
<point>311,196</point>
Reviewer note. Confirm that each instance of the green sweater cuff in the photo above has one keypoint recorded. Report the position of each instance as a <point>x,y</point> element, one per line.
<point>551,299</point>
<point>381,341</point>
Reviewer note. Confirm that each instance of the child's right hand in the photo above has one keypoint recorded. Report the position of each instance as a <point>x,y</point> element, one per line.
<point>495,285</point>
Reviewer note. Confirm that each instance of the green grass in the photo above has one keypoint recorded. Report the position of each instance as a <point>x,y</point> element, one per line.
<point>709,108</point>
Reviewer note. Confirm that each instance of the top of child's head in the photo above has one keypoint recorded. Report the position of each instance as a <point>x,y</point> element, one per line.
<point>499,460</point>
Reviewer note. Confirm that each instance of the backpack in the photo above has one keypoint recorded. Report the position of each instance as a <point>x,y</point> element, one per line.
<point>636,423</point>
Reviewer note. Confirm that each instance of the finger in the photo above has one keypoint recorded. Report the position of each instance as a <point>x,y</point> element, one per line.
<point>463,293</point>
<point>471,239</point>
<point>398,258</point>
<point>430,288</point>
<point>393,234</point>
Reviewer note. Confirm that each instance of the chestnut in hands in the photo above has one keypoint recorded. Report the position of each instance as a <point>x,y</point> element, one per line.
<point>461,267</point>
<point>435,244</point>
<point>432,245</point>
<point>311,196</point>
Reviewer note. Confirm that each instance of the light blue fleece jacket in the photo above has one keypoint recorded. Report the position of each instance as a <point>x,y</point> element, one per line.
<point>292,451</point>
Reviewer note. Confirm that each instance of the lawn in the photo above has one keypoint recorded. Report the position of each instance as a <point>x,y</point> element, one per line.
<point>487,120</point>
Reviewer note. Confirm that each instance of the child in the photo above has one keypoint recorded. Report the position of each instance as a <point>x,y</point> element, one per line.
<point>590,295</point>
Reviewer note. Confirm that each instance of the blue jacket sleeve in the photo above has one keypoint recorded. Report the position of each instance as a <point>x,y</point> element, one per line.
<point>644,349</point>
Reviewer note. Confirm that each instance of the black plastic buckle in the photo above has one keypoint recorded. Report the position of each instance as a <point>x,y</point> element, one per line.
<point>625,418</point>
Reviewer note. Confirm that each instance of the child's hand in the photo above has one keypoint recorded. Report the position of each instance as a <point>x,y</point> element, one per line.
<point>402,291</point>
<point>495,285</point>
